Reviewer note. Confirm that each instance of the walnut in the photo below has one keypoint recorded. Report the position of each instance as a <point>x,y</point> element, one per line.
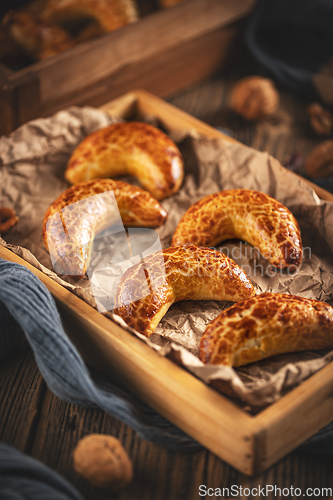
<point>321,119</point>
<point>254,97</point>
<point>103,461</point>
<point>8,220</point>
<point>319,163</point>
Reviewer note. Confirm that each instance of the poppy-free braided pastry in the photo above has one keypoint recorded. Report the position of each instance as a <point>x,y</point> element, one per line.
<point>266,325</point>
<point>132,148</point>
<point>86,209</point>
<point>248,215</point>
<point>148,289</point>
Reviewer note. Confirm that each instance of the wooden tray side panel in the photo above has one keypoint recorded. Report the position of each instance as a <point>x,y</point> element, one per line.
<point>150,53</point>
<point>250,444</point>
<point>8,112</point>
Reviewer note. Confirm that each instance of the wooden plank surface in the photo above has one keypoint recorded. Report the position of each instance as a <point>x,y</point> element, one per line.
<point>286,424</point>
<point>52,427</point>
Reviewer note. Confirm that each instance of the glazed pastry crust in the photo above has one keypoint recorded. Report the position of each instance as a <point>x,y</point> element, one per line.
<point>131,148</point>
<point>77,215</point>
<point>266,325</point>
<point>248,215</point>
<point>36,37</point>
<point>148,289</point>
<point>110,15</point>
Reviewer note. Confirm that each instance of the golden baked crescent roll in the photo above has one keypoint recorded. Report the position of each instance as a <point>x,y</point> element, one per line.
<point>148,289</point>
<point>131,148</point>
<point>266,325</point>
<point>248,215</point>
<point>86,209</point>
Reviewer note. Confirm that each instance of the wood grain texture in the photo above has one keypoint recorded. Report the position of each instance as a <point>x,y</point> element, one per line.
<point>8,113</point>
<point>28,99</point>
<point>126,359</point>
<point>61,425</point>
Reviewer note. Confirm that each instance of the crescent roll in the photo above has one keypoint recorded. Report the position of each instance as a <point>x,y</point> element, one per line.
<point>109,15</point>
<point>266,325</point>
<point>86,209</point>
<point>148,289</point>
<point>248,215</point>
<point>132,148</point>
<point>37,38</point>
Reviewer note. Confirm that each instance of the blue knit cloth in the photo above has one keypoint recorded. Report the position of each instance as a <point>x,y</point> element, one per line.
<point>27,307</point>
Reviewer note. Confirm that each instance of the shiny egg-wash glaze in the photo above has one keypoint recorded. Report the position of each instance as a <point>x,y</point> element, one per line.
<point>266,325</point>
<point>174,274</point>
<point>132,148</point>
<point>71,236</point>
<point>248,215</point>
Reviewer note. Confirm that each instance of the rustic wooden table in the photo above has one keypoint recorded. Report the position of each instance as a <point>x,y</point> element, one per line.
<point>38,423</point>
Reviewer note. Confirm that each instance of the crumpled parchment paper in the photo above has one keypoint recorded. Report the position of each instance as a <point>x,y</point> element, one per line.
<point>32,163</point>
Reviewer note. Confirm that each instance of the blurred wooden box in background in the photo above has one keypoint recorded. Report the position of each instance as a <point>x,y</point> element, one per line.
<point>166,50</point>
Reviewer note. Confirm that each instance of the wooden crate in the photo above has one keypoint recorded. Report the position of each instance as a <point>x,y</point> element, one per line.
<point>163,52</point>
<point>249,443</point>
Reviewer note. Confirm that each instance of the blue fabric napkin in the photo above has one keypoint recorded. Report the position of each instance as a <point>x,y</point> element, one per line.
<point>293,39</point>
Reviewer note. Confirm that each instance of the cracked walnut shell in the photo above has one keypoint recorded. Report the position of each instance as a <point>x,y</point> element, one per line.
<point>254,97</point>
<point>103,461</point>
<point>321,119</point>
<point>319,163</point>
